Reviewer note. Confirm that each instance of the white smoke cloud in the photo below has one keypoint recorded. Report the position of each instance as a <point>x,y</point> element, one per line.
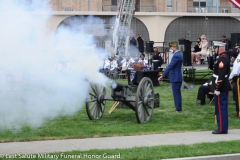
<point>42,83</point>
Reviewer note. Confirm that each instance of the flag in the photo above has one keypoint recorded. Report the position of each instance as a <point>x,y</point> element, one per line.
<point>236,3</point>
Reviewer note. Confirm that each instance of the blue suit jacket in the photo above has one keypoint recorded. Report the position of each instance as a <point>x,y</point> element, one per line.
<point>175,68</point>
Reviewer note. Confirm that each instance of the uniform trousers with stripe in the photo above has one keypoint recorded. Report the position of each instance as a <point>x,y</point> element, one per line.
<point>236,95</point>
<point>221,111</point>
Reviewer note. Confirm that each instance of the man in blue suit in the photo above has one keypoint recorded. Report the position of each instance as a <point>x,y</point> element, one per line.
<point>175,74</point>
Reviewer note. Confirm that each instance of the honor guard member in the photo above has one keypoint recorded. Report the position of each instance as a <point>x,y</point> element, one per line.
<point>222,87</point>
<point>156,61</point>
<point>175,75</point>
<point>156,58</point>
<point>235,78</point>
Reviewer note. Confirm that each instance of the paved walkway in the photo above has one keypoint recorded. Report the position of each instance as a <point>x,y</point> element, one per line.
<point>115,142</point>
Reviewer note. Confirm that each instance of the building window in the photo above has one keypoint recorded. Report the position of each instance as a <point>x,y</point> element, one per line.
<point>169,3</point>
<point>199,3</point>
<point>68,9</point>
<point>114,2</point>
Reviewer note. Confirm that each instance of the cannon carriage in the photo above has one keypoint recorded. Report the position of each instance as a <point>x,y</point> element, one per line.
<point>140,98</point>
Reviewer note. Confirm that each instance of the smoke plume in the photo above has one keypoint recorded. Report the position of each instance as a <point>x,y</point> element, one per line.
<point>41,81</point>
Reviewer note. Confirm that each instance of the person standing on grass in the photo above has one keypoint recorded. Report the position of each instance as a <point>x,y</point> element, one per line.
<point>222,87</point>
<point>235,78</point>
<point>157,56</point>
<point>175,72</point>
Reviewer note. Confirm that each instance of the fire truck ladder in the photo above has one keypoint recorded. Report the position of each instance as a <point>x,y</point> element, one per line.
<point>122,26</point>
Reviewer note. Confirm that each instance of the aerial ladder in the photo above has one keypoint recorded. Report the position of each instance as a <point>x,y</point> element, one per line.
<point>126,9</point>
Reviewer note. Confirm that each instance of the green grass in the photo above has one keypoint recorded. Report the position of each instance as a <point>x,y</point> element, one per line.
<point>167,151</point>
<point>149,153</point>
<point>121,120</point>
<point>200,76</point>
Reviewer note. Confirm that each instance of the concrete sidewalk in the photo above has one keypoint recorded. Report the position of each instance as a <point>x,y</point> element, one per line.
<point>115,142</point>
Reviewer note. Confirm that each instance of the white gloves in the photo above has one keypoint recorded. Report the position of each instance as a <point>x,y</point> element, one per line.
<point>217,93</point>
<point>205,84</point>
<point>216,80</point>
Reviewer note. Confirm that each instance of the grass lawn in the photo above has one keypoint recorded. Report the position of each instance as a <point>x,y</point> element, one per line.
<point>162,152</point>
<point>122,121</point>
<point>149,153</point>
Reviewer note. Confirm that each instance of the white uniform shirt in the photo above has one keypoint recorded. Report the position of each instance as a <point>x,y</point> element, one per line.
<point>113,65</point>
<point>140,60</point>
<point>131,60</point>
<point>124,62</point>
<point>236,68</point>
<point>144,61</point>
<point>106,64</point>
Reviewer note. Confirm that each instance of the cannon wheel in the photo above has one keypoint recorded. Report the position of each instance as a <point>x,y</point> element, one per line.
<point>144,103</point>
<point>95,104</point>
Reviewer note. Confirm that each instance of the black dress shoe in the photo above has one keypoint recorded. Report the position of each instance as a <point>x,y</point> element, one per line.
<point>217,132</point>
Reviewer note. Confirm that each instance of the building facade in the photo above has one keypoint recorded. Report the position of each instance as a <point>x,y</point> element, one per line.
<point>156,20</point>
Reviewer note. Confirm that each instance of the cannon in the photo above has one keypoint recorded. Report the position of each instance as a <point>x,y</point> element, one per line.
<point>140,98</point>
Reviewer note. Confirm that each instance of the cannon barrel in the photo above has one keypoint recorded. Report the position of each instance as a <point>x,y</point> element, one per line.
<point>120,92</point>
<point>117,86</point>
<point>120,87</point>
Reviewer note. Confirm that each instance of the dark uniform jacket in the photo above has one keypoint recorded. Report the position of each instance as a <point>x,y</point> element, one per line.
<point>221,73</point>
<point>157,56</point>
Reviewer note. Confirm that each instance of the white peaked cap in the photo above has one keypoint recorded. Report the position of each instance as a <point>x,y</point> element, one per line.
<point>218,43</point>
